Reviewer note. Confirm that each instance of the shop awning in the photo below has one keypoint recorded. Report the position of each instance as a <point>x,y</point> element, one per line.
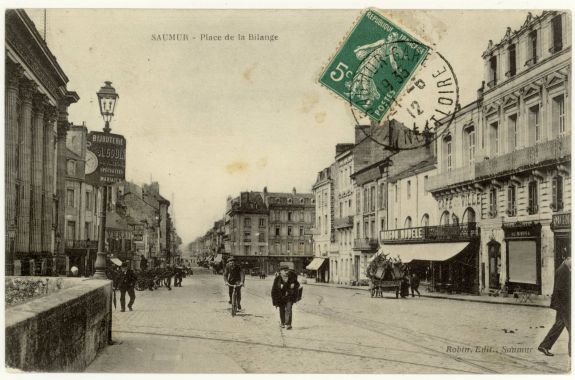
<point>218,259</point>
<point>425,252</point>
<point>315,264</point>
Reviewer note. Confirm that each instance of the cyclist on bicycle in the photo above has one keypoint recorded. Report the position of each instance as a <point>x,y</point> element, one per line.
<point>234,275</point>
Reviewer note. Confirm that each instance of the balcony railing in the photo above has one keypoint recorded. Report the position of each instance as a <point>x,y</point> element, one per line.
<point>365,244</point>
<point>346,221</point>
<point>451,178</point>
<point>81,244</point>
<point>523,159</point>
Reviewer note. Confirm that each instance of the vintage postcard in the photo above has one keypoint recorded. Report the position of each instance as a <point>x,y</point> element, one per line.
<point>288,191</point>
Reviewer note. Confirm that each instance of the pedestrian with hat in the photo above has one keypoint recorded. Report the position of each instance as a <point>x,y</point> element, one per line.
<point>285,292</point>
<point>126,283</point>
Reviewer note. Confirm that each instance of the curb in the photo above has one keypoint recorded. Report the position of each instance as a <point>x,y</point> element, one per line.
<point>439,297</point>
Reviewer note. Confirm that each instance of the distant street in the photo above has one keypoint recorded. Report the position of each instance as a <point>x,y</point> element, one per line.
<point>190,329</point>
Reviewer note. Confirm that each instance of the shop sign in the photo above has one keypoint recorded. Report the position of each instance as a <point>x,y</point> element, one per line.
<point>105,158</point>
<point>561,220</point>
<point>521,229</point>
<point>432,233</point>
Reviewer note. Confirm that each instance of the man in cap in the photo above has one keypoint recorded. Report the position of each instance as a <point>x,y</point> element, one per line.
<point>126,283</point>
<point>285,292</point>
<point>234,275</point>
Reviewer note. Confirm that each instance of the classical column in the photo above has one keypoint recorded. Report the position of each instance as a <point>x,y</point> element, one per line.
<point>39,102</point>
<point>13,76</point>
<point>62,131</point>
<point>27,88</point>
<point>48,151</point>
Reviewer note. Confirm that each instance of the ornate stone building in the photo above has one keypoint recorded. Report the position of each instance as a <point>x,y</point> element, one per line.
<point>506,159</point>
<point>36,124</point>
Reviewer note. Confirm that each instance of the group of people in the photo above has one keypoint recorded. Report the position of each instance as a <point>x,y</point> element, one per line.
<point>285,291</point>
<point>124,280</point>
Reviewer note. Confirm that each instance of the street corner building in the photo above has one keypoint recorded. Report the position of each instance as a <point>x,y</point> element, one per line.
<point>36,127</point>
<point>483,209</point>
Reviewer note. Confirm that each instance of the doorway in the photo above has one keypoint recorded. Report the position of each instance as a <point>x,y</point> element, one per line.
<point>494,250</point>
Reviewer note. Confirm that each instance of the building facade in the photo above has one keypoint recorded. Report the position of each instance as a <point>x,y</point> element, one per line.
<point>505,162</point>
<point>36,124</point>
<point>323,232</point>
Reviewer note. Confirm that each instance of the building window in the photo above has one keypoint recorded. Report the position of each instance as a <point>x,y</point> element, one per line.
<point>447,153</point>
<point>534,124</point>
<point>425,220</point>
<point>532,49</point>
<point>87,230</point>
<point>70,201</point>
<point>357,231</point>
<point>262,222</point>
<point>289,247</point>
<point>289,230</point>
<point>301,229</point>
<point>494,138</point>
<point>247,222</point>
<point>533,205</point>
<point>247,250</point>
<point>301,216</point>
<point>557,27</point>
<point>289,216</point>
<point>70,230</point>
<point>396,192</point>
<point>512,132</point>
<point>325,224</point>
<point>493,203</point>
<point>71,167</point>
<point>407,223</point>
<point>471,146</point>
<point>261,237</point>
<point>408,190</point>
<point>382,224</point>
<point>89,201</point>
<point>557,193</point>
<point>511,201</point>
<point>512,61</point>
<point>358,201</point>
<point>558,118</point>
<point>492,72</point>
<point>247,236</point>
<point>365,200</point>
<point>372,198</point>
<point>301,247</point>
<point>381,196</point>
<point>277,231</point>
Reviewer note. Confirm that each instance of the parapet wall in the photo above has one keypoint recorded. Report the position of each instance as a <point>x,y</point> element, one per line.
<point>60,332</point>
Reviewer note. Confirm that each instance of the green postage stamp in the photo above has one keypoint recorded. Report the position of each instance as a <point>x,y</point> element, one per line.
<point>373,65</point>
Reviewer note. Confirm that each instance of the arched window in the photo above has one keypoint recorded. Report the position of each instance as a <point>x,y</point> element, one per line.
<point>444,221</point>
<point>469,215</point>
<point>454,219</point>
<point>407,223</point>
<point>425,220</point>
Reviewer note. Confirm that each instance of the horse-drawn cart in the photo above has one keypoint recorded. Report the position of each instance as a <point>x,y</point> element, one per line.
<point>385,274</point>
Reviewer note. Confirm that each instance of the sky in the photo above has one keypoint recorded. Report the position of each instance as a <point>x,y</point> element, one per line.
<point>208,119</point>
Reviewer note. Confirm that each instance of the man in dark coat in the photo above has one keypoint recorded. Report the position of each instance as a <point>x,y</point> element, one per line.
<point>126,283</point>
<point>561,302</point>
<point>414,284</point>
<point>284,294</point>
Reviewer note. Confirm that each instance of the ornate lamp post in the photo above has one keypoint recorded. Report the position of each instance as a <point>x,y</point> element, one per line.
<point>107,98</point>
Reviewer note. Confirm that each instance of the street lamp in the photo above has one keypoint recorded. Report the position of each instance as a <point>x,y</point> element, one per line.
<point>107,98</point>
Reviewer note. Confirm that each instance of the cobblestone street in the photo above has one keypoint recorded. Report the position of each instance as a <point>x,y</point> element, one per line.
<point>190,329</point>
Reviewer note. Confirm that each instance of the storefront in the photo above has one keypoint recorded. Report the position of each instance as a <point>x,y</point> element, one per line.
<point>320,267</point>
<point>561,227</point>
<point>446,258</point>
<point>523,258</point>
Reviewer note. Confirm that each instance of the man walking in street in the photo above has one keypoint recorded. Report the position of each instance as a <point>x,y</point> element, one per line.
<point>285,291</point>
<point>126,283</point>
<point>234,275</point>
<point>561,302</point>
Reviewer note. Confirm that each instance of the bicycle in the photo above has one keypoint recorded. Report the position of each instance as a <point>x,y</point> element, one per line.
<point>234,298</point>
